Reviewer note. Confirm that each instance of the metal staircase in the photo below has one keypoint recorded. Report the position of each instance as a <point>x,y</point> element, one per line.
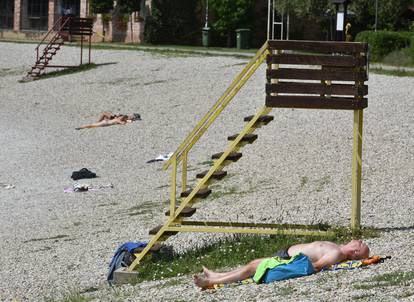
<point>53,41</point>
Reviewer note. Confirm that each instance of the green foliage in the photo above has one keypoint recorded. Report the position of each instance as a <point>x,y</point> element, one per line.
<point>382,43</point>
<point>411,49</point>
<point>101,6</point>
<point>389,14</point>
<point>230,15</point>
<point>400,57</point>
<point>129,6</point>
<point>304,8</point>
<point>173,22</point>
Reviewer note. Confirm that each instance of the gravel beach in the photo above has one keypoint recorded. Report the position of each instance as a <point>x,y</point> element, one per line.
<point>53,244</point>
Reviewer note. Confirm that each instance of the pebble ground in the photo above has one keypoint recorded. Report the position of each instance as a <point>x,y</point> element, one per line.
<point>54,244</point>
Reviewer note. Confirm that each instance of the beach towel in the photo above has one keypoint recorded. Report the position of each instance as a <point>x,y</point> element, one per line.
<point>351,264</point>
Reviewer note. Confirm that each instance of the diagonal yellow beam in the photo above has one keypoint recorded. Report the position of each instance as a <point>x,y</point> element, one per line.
<point>235,87</point>
<point>263,111</point>
<point>184,144</point>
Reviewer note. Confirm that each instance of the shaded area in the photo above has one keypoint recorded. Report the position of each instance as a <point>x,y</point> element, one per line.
<point>397,72</point>
<point>231,252</point>
<point>71,70</point>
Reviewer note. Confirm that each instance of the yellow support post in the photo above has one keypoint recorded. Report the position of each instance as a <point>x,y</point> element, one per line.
<point>184,172</point>
<point>357,170</point>
<point>173,189</point>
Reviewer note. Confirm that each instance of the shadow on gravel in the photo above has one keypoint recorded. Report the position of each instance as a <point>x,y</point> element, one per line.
<point>70,70</point>
<point>391,229</point>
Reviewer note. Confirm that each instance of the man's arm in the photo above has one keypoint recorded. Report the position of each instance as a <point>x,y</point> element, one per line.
<point>326,260</point>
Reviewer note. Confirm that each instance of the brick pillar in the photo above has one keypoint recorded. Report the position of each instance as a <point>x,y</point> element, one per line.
<point>17,13</point>
<point>51,14</point>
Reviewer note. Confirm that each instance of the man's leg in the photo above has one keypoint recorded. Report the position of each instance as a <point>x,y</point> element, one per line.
<point>239,274</point>
<point>102,123</point>
<point>106,115</point>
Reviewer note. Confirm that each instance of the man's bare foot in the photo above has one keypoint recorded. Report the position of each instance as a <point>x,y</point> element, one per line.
<point>210,274</point>
<point>202,282</point>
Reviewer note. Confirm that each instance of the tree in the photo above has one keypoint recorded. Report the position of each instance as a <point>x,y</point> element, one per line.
<point>231,14</point>
<point>172,21</point>
<point>127,7</point>
<point>101,6</point>
<point>304,8</point>
<point>389,14</point>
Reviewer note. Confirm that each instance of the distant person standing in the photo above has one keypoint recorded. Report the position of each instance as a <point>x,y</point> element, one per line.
<point>348,35</point>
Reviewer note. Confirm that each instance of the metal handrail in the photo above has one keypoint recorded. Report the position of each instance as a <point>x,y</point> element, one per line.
<point>50,30</point>
<point>211,115</point>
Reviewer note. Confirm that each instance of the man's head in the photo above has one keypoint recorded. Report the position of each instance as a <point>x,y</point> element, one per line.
<point>357,250</point>
<point>134,117</point>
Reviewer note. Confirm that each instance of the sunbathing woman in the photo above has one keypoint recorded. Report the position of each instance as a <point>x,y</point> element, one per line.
<point>109,119</point>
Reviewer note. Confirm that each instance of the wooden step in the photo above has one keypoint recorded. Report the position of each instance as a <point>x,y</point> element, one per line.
<point>264,119</point>
<point>186,212</point>
<point>216,175</point>
<point>202,193</point>
<point>249,138</point>
<point>233,156</point>
<point>155,230</point>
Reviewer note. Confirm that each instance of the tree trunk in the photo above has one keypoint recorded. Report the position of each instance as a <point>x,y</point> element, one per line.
<point>229,38</point>
<point>132,30</point>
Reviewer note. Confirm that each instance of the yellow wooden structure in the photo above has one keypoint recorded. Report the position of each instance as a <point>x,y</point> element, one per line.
<point>336,61</point>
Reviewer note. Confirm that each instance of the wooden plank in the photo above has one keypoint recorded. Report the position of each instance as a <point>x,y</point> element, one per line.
<point>316,74</point>
<point>315,102</point>
<point>333,60</point>
<point>319,46</point>
<point>317,88</point>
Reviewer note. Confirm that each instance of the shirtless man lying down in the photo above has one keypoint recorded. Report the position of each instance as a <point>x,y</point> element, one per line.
<point>319,253</point>
<point>109,119</point>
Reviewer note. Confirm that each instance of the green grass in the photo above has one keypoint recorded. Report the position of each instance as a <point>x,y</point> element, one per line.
<point>172,51</point>
<point>387,279</point>
<point>286,291</point>
<point>72,297</point>
<point>4,72</point>
<point>322,183</point>
<point>226,253</point>
<point>230,191</point>
<point>303,181</point>
<point>47,238</point>
<point>401,57</point>
<point>208,162</point>
<point>146,207</point>
<point>397,73</point>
